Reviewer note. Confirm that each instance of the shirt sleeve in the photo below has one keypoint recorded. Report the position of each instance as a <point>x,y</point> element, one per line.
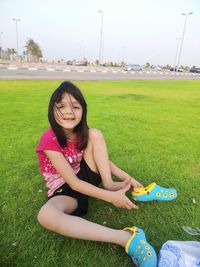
<point>48,142</point>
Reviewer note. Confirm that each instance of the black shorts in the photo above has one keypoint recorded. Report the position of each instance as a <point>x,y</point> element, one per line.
<point>85,174</point>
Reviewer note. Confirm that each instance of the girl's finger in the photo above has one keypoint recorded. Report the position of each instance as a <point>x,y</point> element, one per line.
<point>128,207</point>
<point>132,205</point>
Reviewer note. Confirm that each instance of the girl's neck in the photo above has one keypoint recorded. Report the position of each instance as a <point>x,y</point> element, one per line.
<point>70,135</point>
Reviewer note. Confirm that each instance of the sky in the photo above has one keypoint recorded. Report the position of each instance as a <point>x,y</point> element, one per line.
<point>134,31</point>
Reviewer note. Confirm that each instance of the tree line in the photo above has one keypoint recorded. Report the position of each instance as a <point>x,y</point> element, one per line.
<point>32,53</point>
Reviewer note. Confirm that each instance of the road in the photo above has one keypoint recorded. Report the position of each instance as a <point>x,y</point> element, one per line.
<point>14,73</point>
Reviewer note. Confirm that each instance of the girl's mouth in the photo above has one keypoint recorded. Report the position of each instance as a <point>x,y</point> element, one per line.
<point>69,119</point>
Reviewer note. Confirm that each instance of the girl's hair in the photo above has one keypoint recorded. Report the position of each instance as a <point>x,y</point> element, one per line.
<point>82,128</point>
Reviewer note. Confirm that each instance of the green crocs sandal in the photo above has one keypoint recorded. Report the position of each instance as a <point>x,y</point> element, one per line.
<point>137,247</point>
<point>154,192</point>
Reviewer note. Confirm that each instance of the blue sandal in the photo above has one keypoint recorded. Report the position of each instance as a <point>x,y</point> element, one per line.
<point>141,252</point>
<point>154,192</point>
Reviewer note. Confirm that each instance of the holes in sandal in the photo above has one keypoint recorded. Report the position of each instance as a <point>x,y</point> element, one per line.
<point>144,258</point>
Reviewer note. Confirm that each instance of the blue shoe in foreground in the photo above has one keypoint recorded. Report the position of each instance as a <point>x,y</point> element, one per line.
<point>141,252</point>
<point>154,192</point>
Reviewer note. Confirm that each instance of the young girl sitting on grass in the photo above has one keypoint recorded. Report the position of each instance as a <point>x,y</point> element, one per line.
<point>73,160</point>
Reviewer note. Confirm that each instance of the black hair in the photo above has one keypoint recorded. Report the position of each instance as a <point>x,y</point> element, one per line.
<point>82,128</point>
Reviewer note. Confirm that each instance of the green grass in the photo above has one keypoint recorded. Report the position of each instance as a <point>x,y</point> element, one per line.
<point>152,130</point>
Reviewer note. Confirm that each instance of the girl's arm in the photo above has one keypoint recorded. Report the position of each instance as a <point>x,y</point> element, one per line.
<point>117,198</point>
<point>122,175</point>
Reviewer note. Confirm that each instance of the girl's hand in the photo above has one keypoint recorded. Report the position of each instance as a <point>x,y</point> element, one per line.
<point>120,200</point>
<point>134,183</point>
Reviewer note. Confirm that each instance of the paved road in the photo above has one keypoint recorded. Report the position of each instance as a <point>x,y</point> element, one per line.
<point>14,73</point>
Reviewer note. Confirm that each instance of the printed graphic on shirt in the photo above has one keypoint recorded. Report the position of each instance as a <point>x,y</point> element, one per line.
<point>59,190</point>
<point>72,155</point>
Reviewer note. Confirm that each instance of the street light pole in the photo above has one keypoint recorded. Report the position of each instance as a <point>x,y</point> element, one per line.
<point>186,16</point>
<point>79,52</point>
<point>1,43</point>
<point>101,38</point>
<point>16,21</point>
<point>178,40</point>
<point>123,55</point>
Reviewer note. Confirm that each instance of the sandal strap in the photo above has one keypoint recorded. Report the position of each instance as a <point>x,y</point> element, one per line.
<point>141,252</point>
<point>143,190</point>
<point>132,229</point>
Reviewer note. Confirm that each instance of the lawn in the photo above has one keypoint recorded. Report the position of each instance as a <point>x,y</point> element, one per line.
<point>152,129</point>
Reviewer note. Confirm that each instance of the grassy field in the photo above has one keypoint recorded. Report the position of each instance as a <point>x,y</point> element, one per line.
<point>152,129</point>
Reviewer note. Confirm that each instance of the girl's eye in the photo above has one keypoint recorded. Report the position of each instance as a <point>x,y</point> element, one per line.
<point>76,107</point>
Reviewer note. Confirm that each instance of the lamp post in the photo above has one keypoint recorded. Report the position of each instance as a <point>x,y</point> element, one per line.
<point>101,38</point>
<point>16,21</point>
<point>178,40</point>
<point>1,43</point>
<point>158,56</point>
<point>123,54</point>
<point>186,16</point>
<point>79,52</point>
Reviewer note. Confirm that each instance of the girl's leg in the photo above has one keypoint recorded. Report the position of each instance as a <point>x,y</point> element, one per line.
<point>53,217</point>
<point>96,156</point>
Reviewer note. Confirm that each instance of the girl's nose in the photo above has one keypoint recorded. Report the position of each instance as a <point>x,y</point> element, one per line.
<point>68,110</point>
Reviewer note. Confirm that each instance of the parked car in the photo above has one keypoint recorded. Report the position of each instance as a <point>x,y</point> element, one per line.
<point>132,67</point>
<point>69,62</point>
<point>195,70</point>
<point>175,69</point>
<point>157,68</point>
<point>83,62</point>
<point>104,65</point>
<point>78,63</point>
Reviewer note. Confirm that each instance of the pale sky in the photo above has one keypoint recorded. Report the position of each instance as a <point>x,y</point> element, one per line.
<point>135,31</point>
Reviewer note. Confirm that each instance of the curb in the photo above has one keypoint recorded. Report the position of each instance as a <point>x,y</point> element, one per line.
<point>98,71</point>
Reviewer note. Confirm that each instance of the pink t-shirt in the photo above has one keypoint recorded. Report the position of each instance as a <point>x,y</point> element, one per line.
<point>73,155</point>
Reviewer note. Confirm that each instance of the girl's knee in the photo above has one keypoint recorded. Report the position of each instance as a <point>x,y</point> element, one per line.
<point>46,217</point>
<point>42,215</point>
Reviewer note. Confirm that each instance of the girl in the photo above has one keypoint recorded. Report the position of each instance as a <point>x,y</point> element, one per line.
<point>73,160</point>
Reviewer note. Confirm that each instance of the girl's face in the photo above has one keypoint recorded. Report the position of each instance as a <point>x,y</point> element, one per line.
<point>68,112</point>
